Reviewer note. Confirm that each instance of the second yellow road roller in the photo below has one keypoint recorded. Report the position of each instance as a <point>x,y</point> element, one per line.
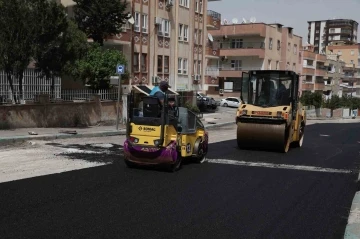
<point>270,115</point>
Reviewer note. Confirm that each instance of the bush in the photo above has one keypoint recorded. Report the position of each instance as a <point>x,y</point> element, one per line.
<point>192,108</point>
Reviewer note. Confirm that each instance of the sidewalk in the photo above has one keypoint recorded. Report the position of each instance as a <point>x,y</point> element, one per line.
<point>23,134</point>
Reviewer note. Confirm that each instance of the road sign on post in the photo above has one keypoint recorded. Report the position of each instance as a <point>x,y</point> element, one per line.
<point>120,69</point>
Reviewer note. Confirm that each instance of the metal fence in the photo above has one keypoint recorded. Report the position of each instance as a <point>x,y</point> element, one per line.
<point>32,85</point>
<point>86,94</point>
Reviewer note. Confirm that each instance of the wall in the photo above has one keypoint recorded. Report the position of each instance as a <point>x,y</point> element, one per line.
<point>64,114</point>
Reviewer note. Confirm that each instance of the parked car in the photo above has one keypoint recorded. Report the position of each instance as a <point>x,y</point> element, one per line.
<point>205,102</point>
<point>230,102</point>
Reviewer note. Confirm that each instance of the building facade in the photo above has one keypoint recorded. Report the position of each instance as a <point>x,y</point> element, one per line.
<point>331,32</point>
<point>166,42</point>
<point>350,54</point>
<point>252,46</point>
<point>322,73</point>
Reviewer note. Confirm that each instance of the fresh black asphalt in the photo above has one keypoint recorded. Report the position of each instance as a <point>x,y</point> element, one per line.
<point>199,201</point>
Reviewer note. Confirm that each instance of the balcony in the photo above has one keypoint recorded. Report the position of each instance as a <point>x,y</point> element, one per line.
<point>321,58</point>
<point>320,72</point>
<point>212,50</point>
<point>212,71</point>
<point>241,30</point>
<point>308,66</point>
<point>319,86</point>
<point>229,71</point>
<point>308,55</point>
<point>243,49</point>
<point>213,20</point>
<point>308,71</point>
<point>307,86</point>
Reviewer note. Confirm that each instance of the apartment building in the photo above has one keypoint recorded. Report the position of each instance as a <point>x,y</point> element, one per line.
<point>331,32</point>
<point>322,73</point>
<point>350,54</point>
<point>165,42</point>
<point>252,46</point>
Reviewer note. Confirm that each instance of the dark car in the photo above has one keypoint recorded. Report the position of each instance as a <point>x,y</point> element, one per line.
<point>205,102</point>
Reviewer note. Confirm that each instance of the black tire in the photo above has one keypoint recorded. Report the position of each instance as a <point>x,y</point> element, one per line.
<point>129,164</point>
<point>225,105</point>
<point>201,157</point>
<point>176,166</point>
<point>298,144</point>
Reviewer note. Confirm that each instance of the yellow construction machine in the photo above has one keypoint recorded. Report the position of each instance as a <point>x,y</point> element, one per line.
<point>270,115</point>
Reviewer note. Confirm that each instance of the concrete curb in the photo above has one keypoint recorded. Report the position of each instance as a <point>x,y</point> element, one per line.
<point>352,230</point>
<point>16,139</point>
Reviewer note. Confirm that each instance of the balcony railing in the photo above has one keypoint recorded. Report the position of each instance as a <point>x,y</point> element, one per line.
<point>214,15</point>
<point>212,71</point>
<point>242,45</point>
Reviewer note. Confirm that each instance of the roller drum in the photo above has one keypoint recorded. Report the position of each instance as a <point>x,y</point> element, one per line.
<point>262,136</point>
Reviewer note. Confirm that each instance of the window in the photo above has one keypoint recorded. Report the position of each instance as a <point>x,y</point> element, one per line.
<point>236,43</point>
<point>270,43</point>
<point>195,64</point>
<point>137,22</point>
<point>199,68</point>
<point>196,5</point>
<point>181,28</point>
<point>144,27</point>
<point>160,64</point>
<point>183,32</point>
<point>185,66</point>
<point>201,6</point>
<point>184,3</point>
<point>332,30</point>
<point>164,28</point>
<point>278,45</point>
<point>289,46</point>
<point>352,52</point>
<point>143,62</point>
<point>269,64</point>
<point>295,49</point>
<point>236,64</point>
<point>166,64</point>
<point>317,31</point>
<point>180,67</point>
<point>136,65</point>
<point>186,33</point>
<point>277,65</point>
<point>195,36</point>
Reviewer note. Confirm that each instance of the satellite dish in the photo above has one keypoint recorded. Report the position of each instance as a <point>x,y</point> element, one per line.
<point>244,20</point>
<point>131,19</point>
<point>252,19</point>
<point>210,37</point>
<point>225,21</point>
<point>234,20</point>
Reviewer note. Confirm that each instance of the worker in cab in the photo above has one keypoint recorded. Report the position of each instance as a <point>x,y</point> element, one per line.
<point>159,91</point>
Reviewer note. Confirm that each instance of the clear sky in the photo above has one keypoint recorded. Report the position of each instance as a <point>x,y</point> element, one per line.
<point>293,13</point>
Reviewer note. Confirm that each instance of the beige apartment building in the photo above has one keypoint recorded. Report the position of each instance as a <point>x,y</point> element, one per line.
<point>166,42</point>
<point>251,46</point>
<point>350,54</point>
<point>322,73</point>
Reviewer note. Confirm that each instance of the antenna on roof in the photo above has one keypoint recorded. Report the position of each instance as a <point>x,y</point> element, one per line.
<point>234,20</point>
<point>252,19</point>
<point>243,20</point>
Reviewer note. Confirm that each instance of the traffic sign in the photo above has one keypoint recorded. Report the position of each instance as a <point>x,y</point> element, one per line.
<point>120,69</point>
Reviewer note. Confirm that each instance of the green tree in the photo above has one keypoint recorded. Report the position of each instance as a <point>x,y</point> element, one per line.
<point>100,19</point>
<point>317,99</point>
<point>56,57</point>
<point>306,98</point>
<point>17,33</point>
<point>98,65</point>
<point>333,103</point>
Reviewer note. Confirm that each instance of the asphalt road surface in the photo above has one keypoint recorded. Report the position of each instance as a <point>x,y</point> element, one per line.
<point>306,193</point>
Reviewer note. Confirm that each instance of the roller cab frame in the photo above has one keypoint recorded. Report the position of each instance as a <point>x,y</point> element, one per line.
<point>270,115</point>
<point>157,134</point>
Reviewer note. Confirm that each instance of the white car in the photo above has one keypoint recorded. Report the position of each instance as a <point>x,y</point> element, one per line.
<point>230,102</point>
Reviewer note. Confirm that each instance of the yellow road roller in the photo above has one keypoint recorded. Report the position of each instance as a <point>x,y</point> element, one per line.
<point>270,115</point>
